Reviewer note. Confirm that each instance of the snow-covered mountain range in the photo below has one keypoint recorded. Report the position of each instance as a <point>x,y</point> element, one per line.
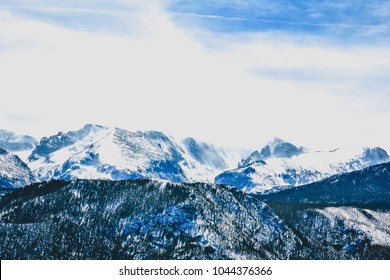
<point>339,211</point>
<point>282,165</point>
<point>98,152</point>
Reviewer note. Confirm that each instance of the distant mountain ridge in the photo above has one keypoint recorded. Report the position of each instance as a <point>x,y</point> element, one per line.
<point>51,144</point>
<point>281,165</point>
<point>275,148</point>
<point>98,152</point>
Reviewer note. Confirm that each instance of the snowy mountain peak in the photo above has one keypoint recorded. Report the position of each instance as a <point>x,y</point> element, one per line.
<point>258,174</point>
<point>275,142</point>
<point>375,154</point>
<point>48,145</point>
<point>280,148</point>
<point>98,152</point>
<point>277,148</point>
<point>12,142</point>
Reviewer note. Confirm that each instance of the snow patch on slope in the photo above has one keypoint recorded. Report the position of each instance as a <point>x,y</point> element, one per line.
<point>374,223</point>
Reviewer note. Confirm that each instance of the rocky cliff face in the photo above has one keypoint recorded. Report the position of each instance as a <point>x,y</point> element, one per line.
<point>14,173</point>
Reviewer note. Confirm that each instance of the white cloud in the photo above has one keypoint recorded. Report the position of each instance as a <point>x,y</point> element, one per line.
<point>166,80</point>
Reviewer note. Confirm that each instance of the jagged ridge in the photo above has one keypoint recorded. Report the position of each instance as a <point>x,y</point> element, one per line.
<point>264,172</point>
<point>98,152</point>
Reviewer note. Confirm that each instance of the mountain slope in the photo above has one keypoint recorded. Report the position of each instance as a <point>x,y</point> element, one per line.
<point>14,173</point>
<point>143,219</point>
<point>367,187</point>
<point>264,171</point>
<point>338,232</point>
<point>139,219</point>
<point>97,152</point>
<point>345,216</point>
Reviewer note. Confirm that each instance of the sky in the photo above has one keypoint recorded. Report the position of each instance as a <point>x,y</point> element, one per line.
<point>234,73</point>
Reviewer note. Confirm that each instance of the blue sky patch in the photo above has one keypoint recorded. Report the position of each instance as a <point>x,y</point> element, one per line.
<point>343,19</point>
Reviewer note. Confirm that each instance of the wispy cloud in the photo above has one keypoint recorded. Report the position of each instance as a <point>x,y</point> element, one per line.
<point>21,118</point>
<point>286,22</point>
<point>116,17</point>
<point>56,9</point>
<point>250,89</point>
